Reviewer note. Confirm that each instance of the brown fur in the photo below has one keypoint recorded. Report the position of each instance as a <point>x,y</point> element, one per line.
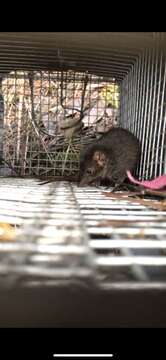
<point>110,157</point>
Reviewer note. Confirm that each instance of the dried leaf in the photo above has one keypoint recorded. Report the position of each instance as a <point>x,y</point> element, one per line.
<point>7,232</point>
<point>154,204</point>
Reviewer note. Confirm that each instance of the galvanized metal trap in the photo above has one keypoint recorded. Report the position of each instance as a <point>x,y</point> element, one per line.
<point>67,234</point>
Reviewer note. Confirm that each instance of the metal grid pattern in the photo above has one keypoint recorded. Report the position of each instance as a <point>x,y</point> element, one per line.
<point>136,61</point>
<point>64,235</point>
<point>143,110</point>
<point>49,115</point>
<point>51,240</point>
<point>102,53</point>
<point>68,234</point>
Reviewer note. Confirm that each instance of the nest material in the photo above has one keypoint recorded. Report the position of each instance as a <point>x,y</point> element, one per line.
<point>47,114</point>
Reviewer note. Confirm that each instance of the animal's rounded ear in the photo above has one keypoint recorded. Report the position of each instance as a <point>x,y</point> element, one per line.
<point>89,171</point>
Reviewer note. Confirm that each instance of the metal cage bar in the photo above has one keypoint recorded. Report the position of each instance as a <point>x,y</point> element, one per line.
<point>69,234</point>
<point>145,114</point>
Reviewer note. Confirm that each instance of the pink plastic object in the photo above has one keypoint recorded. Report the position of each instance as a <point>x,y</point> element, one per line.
<point>158,183</point>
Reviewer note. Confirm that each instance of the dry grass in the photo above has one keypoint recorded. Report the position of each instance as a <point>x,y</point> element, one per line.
<point>49,116</point>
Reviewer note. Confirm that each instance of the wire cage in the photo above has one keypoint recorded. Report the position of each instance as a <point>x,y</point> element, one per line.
<point>59,233</point>
<point>49,115</point>
<point>143,110</point>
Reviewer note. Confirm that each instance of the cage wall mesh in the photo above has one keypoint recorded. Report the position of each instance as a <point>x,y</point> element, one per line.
<point>143,110</point>
<point>48,116</point>
<point>64,235</point>
<point>59,233</point>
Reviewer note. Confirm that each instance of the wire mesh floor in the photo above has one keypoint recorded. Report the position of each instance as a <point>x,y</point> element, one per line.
<point>66,234</point>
